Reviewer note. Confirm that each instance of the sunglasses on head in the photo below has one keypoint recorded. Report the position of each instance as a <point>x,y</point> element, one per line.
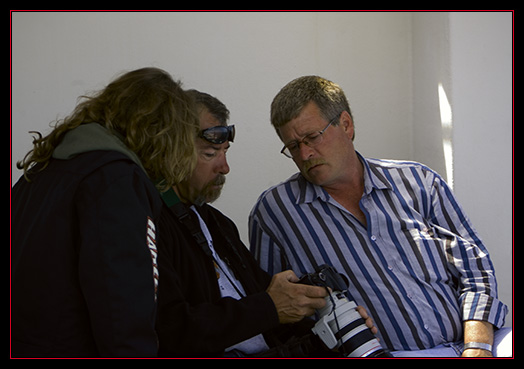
<point>218,134</point>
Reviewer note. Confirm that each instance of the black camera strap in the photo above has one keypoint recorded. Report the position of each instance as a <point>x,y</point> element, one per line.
<point>181,212</point>
<point>177,207</point>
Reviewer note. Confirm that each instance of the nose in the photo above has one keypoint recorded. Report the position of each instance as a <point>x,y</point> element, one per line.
<point>223,166</point>
<point>305,152</point>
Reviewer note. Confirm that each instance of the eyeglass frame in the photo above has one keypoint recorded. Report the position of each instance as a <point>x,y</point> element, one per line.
<point>304,140</point>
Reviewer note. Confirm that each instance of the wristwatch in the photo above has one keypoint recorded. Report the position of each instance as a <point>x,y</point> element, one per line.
<point>478,345</point>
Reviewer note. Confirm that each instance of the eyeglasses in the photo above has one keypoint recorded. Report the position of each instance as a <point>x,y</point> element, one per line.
<point>313,139</point>
<point>218,134</point>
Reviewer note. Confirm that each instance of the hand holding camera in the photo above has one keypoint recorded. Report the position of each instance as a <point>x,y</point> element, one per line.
<point>340,324</point>
<point>294,301</point>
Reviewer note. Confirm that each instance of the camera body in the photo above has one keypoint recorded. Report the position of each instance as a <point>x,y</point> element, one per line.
<point>340,324</point>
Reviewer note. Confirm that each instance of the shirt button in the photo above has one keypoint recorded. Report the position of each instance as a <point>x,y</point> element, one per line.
<point>373,238</point>
<point>425,326</point>
<point>390,267</point>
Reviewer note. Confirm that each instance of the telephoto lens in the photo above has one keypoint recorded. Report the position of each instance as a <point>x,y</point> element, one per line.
<point>340,325</point>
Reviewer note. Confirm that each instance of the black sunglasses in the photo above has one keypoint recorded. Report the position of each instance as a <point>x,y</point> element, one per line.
<point>218,134</point>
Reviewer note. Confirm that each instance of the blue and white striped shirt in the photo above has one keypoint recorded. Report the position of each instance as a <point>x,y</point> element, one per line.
<point>419,267</point>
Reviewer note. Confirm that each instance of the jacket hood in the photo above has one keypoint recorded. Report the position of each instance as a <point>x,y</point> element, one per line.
<point>92,137</point>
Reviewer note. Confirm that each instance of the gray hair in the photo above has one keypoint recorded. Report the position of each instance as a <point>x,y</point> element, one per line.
<point>294,96</point>
<point>212,104</point>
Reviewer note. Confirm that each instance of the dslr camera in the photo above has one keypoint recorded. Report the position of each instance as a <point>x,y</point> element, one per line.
<point>340,324</point>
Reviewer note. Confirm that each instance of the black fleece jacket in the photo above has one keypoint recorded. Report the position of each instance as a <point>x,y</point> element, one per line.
<point>83,260</point>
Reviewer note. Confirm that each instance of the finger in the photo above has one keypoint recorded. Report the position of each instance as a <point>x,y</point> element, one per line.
<point>318,303</point>
<point>314,291</point>
<point>369,323</point>
<point>362,311</point>
<point>367,319</point>
<point>307,311</point>
<point>290,276</point>
<point>304,301</point>
<point>371,326</point>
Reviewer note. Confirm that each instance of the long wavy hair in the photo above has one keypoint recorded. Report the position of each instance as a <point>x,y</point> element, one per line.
<point>149,110</point>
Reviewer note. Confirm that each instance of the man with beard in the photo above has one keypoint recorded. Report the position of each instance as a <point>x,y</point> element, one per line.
<point>213,299</point>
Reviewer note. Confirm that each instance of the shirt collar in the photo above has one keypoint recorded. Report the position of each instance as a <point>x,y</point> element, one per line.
<point>372,177</point>
<point>309,192</point>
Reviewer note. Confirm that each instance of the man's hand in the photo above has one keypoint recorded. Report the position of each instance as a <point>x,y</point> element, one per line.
<point>369,322</point>
<point>294,301</point>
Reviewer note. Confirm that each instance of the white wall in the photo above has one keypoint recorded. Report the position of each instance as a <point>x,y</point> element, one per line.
<point>389,65</point>
<point>431,67</point>
<point>241,58</point>
<point>470,56</point>
<point>481,74</point>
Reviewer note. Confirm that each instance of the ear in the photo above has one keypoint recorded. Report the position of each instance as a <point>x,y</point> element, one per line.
<point>347,124</point>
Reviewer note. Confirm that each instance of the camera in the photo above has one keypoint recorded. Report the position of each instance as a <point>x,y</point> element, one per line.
<point>340,324</point>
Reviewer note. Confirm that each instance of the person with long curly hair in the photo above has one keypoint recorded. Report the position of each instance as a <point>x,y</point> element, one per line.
<point>84,271</point>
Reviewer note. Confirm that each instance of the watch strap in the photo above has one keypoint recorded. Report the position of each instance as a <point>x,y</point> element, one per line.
<point>478,345</point>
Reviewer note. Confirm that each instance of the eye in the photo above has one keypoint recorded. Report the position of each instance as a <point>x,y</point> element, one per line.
<point>210,154</point>
<point>312,138</point>
<point>292,146</point>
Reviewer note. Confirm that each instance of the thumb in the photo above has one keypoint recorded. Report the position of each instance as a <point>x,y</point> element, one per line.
<point>290,276</point>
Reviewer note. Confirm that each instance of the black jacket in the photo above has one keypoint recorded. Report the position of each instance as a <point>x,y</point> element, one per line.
<point>193,319</point>
<point>83,255</point>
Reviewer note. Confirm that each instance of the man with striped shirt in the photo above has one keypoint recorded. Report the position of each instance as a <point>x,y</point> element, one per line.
<point>393,228</point>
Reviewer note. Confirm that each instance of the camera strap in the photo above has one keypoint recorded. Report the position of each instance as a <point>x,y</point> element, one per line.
<point>174,203</point>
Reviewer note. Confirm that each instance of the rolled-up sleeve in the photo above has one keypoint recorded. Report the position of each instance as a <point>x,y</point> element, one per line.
<point>468,258</point>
